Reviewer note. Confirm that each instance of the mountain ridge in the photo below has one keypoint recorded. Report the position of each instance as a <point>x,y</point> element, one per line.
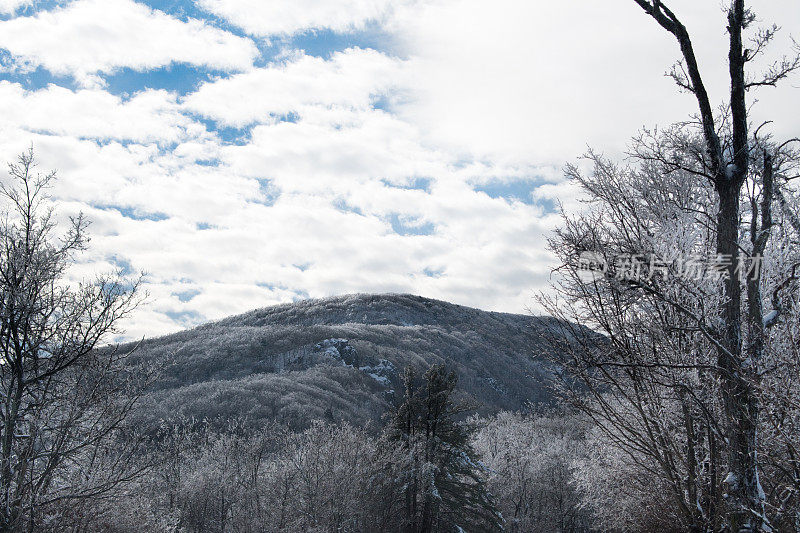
<point>340,358</point>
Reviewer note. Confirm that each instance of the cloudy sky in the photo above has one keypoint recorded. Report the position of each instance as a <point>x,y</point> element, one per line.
<point>249,152</point>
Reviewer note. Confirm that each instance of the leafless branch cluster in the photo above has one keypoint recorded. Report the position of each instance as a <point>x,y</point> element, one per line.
<point>63,403</point>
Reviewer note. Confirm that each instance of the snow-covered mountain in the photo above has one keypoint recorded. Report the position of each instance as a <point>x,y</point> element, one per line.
<point>342,358</point>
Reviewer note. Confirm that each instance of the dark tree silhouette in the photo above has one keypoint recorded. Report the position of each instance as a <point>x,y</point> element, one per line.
<point>444,489</point>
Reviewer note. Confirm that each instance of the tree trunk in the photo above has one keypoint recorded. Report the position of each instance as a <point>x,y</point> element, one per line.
<point>691,467</point>
<point>741,407</point>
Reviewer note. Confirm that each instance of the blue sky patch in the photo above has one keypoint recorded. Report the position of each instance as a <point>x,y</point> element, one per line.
<point>519,190</point>
<point>185,318</point>
<point>416,183</point>
<point>180,78</point>
<point>185,10</point>
<point>268,192</point>
<point>133,212</point>
<point>38,78</point>
<point>33,8</point>
<point>406,226</point>
<point>187,295</point>
<point>340,204</point>
<point>325,42</point>
<point>433,272</point>
<point>125,267</point>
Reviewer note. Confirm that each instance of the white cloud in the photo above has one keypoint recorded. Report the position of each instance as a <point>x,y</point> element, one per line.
<point>538,81</point>
<point>489,92</point>
<point>258,17</point>
<point>148,116</point>
<point>348,79</point>
<point>87,37</point>
<point>329,230</point>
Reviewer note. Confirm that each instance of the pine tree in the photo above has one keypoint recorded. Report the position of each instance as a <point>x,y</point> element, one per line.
<point>444,488</point>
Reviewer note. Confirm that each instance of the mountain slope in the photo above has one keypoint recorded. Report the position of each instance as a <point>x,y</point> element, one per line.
<point>341,359</point>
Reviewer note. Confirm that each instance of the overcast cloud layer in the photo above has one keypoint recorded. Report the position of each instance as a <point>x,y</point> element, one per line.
<point>245,153</point>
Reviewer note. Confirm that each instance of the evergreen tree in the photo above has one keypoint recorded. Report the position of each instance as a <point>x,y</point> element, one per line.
<point>444,488</point>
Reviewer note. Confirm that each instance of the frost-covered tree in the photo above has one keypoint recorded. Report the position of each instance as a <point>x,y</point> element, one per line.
<point>731,158</point>
<point>445,490</point>
<point>327,478</point>
<point>63,403</point>
<point>654,383</point>
<point>530,470</point>
<point>719,330</point>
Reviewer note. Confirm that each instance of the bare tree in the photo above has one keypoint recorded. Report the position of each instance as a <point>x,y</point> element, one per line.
<point>61,400</point>
<point>728,159</point>
<point>648,377</point>
<point>529,468</point>
<point>655,383</point>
